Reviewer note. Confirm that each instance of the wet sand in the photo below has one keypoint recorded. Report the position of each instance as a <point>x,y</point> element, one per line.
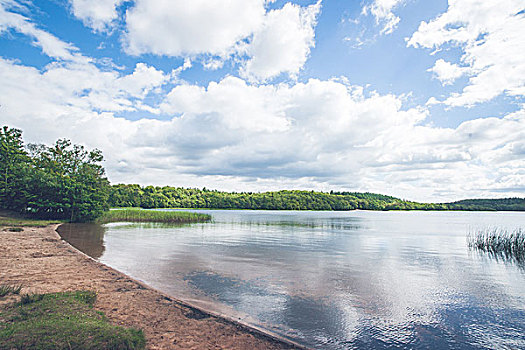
<point>39,260</point>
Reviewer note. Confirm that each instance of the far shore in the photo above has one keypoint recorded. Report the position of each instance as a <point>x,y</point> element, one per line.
<point>39,260</point>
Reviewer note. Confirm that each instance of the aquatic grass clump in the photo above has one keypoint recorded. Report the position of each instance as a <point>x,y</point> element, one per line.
<point>500,243</point>
<point>141,215</point>
<point>63,321</point>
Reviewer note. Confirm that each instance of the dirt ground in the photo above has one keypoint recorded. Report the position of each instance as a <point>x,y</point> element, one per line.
<point>41,262</point>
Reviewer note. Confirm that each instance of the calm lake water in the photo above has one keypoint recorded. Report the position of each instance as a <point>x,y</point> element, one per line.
<point>333,280</point>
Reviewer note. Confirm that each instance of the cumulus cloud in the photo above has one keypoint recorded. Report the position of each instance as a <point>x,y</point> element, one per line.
<point>491,37</point>
<point>234,135</point>
<point>229,134</point>
<point>239,105</point>
<point>96,14</point>
<point>266,43</point>
<point>74,79</point>
<point>81,86</point>
<point>178,28</point>
<point>382,12</point>
<point>283,42</point>
<point>447,72</point>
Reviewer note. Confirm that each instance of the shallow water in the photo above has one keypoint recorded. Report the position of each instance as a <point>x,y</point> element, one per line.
<point>333,280</point>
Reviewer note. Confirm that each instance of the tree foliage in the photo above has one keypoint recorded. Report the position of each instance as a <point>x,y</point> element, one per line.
<point>13,168</point>
<point>501,204</point>
<point>171,197</point>
<point>63,181</point>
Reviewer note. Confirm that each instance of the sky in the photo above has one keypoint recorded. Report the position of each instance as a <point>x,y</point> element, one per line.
<point>423,100</point>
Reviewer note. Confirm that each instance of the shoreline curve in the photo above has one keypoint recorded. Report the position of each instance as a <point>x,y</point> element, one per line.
<point>40,260</point>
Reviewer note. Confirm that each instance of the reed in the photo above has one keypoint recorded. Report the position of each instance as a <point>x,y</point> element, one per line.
<point>500,243</point>
<point>141,215</point>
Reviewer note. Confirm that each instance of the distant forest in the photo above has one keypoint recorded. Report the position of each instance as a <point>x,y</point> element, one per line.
<point>66,181</point>
<point>171,197</point>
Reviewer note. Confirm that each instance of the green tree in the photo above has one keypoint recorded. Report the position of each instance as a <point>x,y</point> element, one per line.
<point>70,182</point>
<point>14,163</point>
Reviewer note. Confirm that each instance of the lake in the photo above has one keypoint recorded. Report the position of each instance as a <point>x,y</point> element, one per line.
<point>332,280</point>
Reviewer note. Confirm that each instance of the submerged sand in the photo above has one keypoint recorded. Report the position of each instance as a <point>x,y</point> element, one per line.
<point>39,260</point>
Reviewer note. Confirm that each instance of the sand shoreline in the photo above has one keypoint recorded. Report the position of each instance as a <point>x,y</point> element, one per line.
<point>42,262</point>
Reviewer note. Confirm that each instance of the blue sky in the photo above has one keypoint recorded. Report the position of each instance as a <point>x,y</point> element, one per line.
<point>418,99</point>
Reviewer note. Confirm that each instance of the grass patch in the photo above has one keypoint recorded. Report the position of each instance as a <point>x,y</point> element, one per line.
<point>30,298</point>
<point>141,215</point>
<point>62,321</point>
<point>20,222</point>
<point>9,289</point>
<point>502,243</point>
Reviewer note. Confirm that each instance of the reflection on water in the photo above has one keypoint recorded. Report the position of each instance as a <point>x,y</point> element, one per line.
<point>517,259</point>
<point>88,238</point>
<point>336,280</point>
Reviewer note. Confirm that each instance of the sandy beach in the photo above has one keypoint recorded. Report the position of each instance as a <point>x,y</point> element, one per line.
<point>39,260</point>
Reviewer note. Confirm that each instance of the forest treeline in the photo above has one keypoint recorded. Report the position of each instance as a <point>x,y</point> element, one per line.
<point>62,181</point>
<point>66,181</point>
<point>123,195</point>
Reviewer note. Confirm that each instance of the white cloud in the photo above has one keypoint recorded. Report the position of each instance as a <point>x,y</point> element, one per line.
<point>178,28</point>
<point>233,135</point>
<point>212,63</point>
<point>363,30</point>
<point>283,43</point>
<point>96,14</point>
<point>81,86</point>
<point>382,12</point>
<point>239,105</point>
<point>447,72</point>
<point>50,44</point>
<point>141,81</point>
<point>491,36</point>
<point>265,44</point>
<point>75,79</point>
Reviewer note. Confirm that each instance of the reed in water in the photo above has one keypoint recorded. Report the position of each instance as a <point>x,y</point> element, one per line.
<point>141,215</point>
<point>500,243</point>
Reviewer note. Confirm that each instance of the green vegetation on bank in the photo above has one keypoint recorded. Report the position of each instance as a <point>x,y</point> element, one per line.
<point>27,222</point>
<point>15,220</point>
<point>62,321</point>
<point>171,197</point>
<point>21,222</point>
<point>140,215</point>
